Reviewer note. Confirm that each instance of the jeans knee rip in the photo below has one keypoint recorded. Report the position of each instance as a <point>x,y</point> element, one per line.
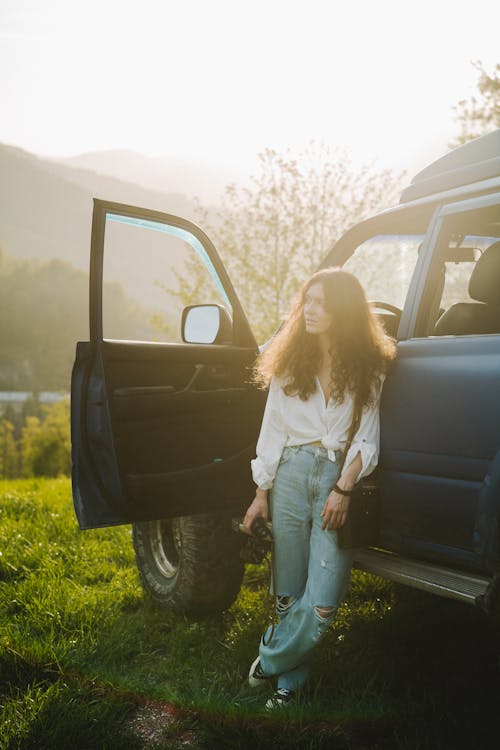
<point>324,617</point>
<point>325,614</point>
<point>283,604</point>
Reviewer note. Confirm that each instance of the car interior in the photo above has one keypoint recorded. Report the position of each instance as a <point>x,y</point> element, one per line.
<point>480,315</point>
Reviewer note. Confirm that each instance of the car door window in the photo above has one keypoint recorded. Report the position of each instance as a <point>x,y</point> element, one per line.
<point>384,264</point>
<point>463,290</point>
<point>151,271</point>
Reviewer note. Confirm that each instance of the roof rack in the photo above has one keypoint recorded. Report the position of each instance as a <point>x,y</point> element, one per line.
<point>475,161</point>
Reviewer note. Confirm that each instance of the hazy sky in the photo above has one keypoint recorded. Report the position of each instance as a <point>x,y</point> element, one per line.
<point>220,80</point>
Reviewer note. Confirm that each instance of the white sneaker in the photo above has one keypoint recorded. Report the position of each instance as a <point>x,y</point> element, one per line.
<point>282,697</point>
<point>256,675</point>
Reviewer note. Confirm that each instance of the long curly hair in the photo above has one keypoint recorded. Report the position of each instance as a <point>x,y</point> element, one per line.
<point>360,349</point>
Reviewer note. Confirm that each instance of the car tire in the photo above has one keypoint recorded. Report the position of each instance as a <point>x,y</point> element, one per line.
<point>189,564</point>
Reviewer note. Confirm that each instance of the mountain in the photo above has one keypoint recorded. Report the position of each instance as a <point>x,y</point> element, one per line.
<point>46,206</point>
<point>167,175</point>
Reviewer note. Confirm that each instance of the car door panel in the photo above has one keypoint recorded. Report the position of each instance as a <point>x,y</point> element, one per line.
<point>203,415</point>
<point>205,435</point>
<point>440,431</point>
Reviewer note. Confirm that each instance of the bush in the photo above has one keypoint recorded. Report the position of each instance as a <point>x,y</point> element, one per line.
<point>46,443</point>
<point>9,454</point>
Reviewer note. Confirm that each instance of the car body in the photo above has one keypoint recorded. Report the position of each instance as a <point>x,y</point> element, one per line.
<point>163,432</point>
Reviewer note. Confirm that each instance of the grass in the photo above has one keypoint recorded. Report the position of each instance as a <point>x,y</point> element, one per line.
<point>88,661</point>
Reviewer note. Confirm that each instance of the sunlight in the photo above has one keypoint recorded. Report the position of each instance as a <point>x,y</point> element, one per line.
<point>219,82</point>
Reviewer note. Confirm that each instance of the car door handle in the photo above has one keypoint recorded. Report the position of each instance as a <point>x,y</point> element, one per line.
<point>217,378</point>
<point>198,369</point>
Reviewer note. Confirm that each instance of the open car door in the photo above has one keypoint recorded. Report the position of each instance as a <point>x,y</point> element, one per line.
<point>163,418</point>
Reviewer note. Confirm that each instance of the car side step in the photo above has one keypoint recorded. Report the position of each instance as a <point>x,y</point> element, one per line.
<point>421,575</point>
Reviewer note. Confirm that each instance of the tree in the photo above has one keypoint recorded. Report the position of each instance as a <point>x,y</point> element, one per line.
<point>44,312</point>
<point>9,459</point>
<point>479,114</point>
<point>273,234</point>
<point>29,438</point>
<point>46,446</point>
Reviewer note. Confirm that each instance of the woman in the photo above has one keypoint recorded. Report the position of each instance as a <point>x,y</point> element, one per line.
<point>331,350</point>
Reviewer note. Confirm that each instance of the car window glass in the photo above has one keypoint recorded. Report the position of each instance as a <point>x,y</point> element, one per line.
<point>463,296</point>
<point>151,272</point>
<point>384,264</point>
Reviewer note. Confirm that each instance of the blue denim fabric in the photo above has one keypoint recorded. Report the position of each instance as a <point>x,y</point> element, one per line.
<point>309,568</point>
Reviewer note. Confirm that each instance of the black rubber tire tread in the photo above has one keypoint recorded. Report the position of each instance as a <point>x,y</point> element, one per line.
<point>210,569</point>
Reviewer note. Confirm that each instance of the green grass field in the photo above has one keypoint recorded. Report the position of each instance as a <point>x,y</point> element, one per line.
<point>89,662</point>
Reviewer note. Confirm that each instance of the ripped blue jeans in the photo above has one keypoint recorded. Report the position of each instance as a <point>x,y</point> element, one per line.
<point>311,574</point>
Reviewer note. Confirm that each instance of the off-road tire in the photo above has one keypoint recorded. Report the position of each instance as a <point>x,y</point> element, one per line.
<point>190,564</point>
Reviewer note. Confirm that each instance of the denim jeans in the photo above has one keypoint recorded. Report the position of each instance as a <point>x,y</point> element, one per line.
<point>311,573</point>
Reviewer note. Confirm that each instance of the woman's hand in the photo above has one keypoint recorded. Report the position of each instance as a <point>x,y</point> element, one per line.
<point>257,508</point>
<point>334,513</point>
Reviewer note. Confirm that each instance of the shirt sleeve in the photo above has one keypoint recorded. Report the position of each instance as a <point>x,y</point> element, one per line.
<point>272,439</point>
<point>367,439</point>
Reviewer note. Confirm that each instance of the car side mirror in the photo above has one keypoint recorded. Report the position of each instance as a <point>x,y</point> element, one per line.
<point>206,324</point>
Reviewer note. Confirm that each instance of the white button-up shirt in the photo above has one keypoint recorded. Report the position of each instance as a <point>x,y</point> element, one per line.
<point>290,421</point>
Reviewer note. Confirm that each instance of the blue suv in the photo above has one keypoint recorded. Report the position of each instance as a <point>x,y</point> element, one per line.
<point>165,419</point>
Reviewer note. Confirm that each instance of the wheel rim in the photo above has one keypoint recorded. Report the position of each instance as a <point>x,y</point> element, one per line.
<point>166,545</point>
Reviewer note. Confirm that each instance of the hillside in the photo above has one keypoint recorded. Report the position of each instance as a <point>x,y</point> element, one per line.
<point>45,229</point>
<point>43,313</point>
<point>46,207</point>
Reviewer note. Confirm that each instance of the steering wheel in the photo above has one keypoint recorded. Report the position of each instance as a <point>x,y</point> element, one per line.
<point>386,306</point>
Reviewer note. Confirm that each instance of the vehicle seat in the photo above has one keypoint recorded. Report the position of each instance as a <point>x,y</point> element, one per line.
<point>482,315</point>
